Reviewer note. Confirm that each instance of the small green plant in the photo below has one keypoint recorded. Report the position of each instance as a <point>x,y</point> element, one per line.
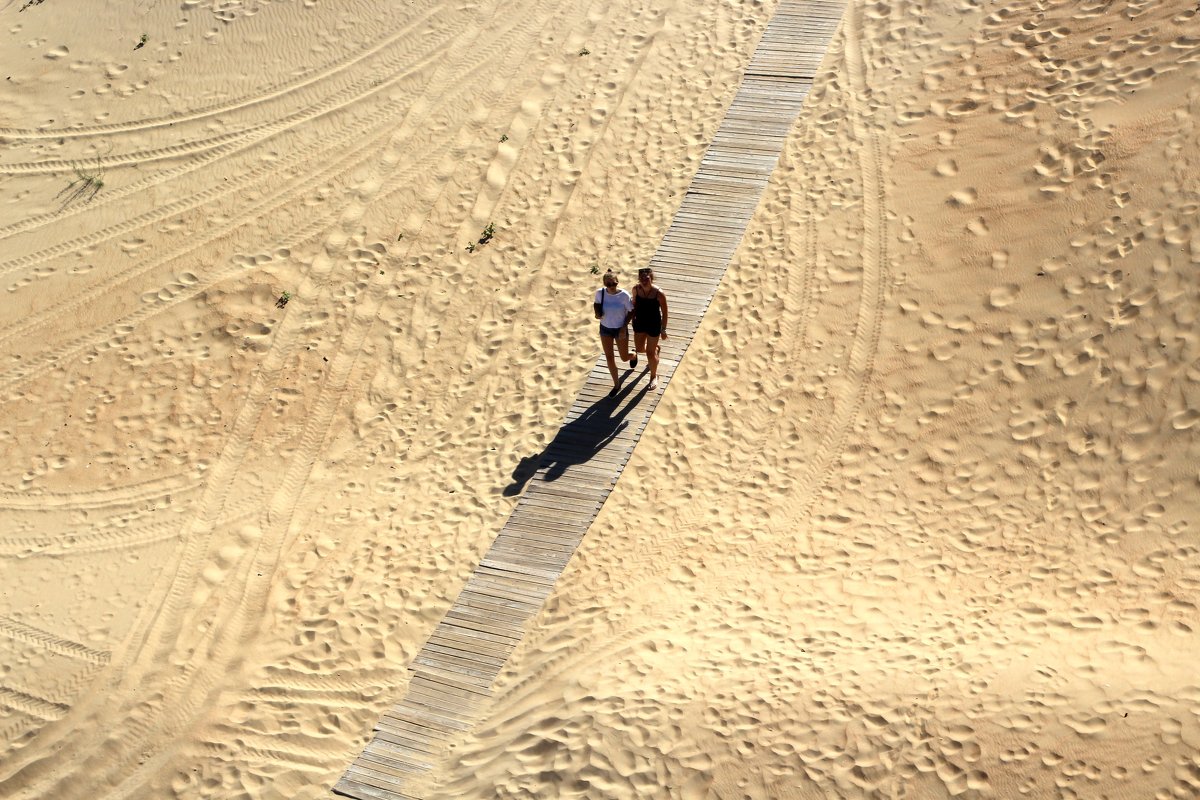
<point>401,236</point>
<point>585,52</point>
<point>29,3</point>
<point>484,237</point>
<point>87,184</point>
<point>503,138</point>
<point>283,299</point>
<point>595,269</point>
<point>141,42</point>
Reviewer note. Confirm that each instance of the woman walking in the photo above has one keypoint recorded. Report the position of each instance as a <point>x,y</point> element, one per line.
<point>649,320</point>
<point>612,307</point>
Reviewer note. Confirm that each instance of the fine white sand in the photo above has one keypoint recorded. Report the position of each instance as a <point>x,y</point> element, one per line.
<point>914,516</point>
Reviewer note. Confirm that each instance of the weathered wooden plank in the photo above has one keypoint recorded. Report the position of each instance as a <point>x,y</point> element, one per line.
<point>403,734</point>
<point>547,527</point>
<point>552,552</point>
<point>459,670</point>
<point>349,787</point>
<point>436,722</point>
<point>526,571</point>
<point>404,730</point>
<point>549,546</point>
<point>546,537</point>
<point>581,492</point>
<point>539,559</point>
<point>470,628</point>
<point>463,617</point>
<point>453,679</point>
<point>545,540</point>
<point>516,585</point>
<point>446,638</point>
<point>368,772</point>
<point>392,748</point>
<point>563,499</point>
<point>438,697</point>
<point>395,762</point>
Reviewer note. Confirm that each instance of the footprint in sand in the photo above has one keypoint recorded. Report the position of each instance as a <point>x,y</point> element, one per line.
<point>962,198</point>
<point>946,168</point>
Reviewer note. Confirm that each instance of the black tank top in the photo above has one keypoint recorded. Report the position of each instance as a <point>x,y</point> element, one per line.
<point>646,311</point>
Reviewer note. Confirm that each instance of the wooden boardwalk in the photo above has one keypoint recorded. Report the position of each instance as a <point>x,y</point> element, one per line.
<point>451,677</point>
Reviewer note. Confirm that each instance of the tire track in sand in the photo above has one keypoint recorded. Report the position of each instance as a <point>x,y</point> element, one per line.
<point>243,178</point>
<point>331,69</point>
<point>247,137</point>
<point>21,632</point>
<point>30,704</point>
<point>128,494</point>
<point>864,345</point>
<point>103,539</point>
<point>869,323</point>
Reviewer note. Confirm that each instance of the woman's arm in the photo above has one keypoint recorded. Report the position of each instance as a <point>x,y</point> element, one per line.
<point>662,303</point>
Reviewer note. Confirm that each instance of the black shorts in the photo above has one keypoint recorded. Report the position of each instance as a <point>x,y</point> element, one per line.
<point>655,331</point>
<point>613,333</point>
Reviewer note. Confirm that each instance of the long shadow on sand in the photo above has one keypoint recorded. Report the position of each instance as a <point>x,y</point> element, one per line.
<point>580,439</point>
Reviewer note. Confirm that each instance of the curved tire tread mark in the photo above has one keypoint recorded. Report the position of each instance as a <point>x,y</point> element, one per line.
<point>403,67</point>
<point>99,541</point>
<point>127,494</point>
<point>239,186</point>
<point>869,316</point>
<point>364,87</point>
<point>869,324</point>
<point>34,706</point>
<point>203,112</point>
<point>21,632</point>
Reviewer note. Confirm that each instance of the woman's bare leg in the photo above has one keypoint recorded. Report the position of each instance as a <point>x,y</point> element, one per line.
<point>652,358</point>
<point>623,345</point>
<point>606,342</point>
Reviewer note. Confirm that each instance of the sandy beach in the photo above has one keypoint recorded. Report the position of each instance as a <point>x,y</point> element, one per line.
<point>915,516</point>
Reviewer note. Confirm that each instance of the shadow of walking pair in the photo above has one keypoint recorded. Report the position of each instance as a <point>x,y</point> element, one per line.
<point>581,439</point>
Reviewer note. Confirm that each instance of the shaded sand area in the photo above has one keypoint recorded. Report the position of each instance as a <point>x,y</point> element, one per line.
<point>911,520</point>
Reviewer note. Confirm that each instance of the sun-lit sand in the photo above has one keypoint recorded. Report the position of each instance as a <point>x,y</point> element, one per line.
<point>915,517</point>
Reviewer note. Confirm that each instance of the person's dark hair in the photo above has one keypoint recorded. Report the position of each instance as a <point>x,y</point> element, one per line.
<point>610,278</point>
